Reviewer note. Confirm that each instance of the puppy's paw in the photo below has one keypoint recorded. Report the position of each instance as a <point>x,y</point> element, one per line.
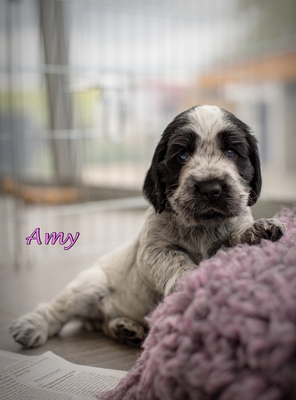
<point>127,331</point>
<point>270,229</point>
<point>29,330</point>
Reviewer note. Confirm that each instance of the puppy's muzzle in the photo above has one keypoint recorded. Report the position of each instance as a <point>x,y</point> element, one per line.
<point>214,198</point>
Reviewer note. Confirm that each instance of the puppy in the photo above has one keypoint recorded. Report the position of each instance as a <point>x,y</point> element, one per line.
<point>204,175</point>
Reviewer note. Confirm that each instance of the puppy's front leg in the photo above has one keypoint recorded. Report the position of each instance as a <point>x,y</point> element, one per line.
<point>161,267</point>
<point>85,297</point>
<point>270,229</point>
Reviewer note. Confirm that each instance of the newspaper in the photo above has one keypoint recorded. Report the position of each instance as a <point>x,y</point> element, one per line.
<point>50,377</point>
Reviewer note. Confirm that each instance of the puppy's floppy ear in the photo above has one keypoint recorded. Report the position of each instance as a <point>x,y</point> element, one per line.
<point>256,181</point>
<point>154,188</point>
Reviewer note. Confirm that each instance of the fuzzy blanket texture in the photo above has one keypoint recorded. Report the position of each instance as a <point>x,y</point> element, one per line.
<point>227,333</point>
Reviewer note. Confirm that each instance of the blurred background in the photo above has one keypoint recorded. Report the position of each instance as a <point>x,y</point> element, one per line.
<point>88,86</point>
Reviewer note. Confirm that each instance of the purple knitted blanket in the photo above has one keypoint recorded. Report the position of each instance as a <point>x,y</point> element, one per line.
<point>229,332</point>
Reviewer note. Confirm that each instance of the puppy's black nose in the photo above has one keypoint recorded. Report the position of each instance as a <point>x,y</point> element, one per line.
<point>209,189</point>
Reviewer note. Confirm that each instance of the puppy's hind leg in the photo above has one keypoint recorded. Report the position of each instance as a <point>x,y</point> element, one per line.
<point>82,298</point>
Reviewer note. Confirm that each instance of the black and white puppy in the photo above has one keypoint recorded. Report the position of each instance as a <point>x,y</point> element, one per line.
<point>204,175</point>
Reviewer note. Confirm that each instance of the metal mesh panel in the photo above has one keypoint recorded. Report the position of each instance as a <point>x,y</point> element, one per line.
<point>87,87</point>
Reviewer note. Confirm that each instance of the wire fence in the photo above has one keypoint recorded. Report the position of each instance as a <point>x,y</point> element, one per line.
<point>87,87</point>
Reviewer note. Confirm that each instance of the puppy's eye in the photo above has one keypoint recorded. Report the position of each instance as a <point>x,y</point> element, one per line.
<point>231,154</point>
<point>184,155</point>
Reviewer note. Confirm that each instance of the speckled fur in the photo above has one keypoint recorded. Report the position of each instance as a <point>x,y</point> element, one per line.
<point>199,204</point>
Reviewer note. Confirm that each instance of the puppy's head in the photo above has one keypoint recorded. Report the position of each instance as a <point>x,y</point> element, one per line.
<point>205,168</point>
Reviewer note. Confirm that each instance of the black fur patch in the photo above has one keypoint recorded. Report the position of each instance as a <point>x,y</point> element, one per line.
<point>181,141</point>
<point>255,181</point>
<point>161,176</point>
<point>235,140</point>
